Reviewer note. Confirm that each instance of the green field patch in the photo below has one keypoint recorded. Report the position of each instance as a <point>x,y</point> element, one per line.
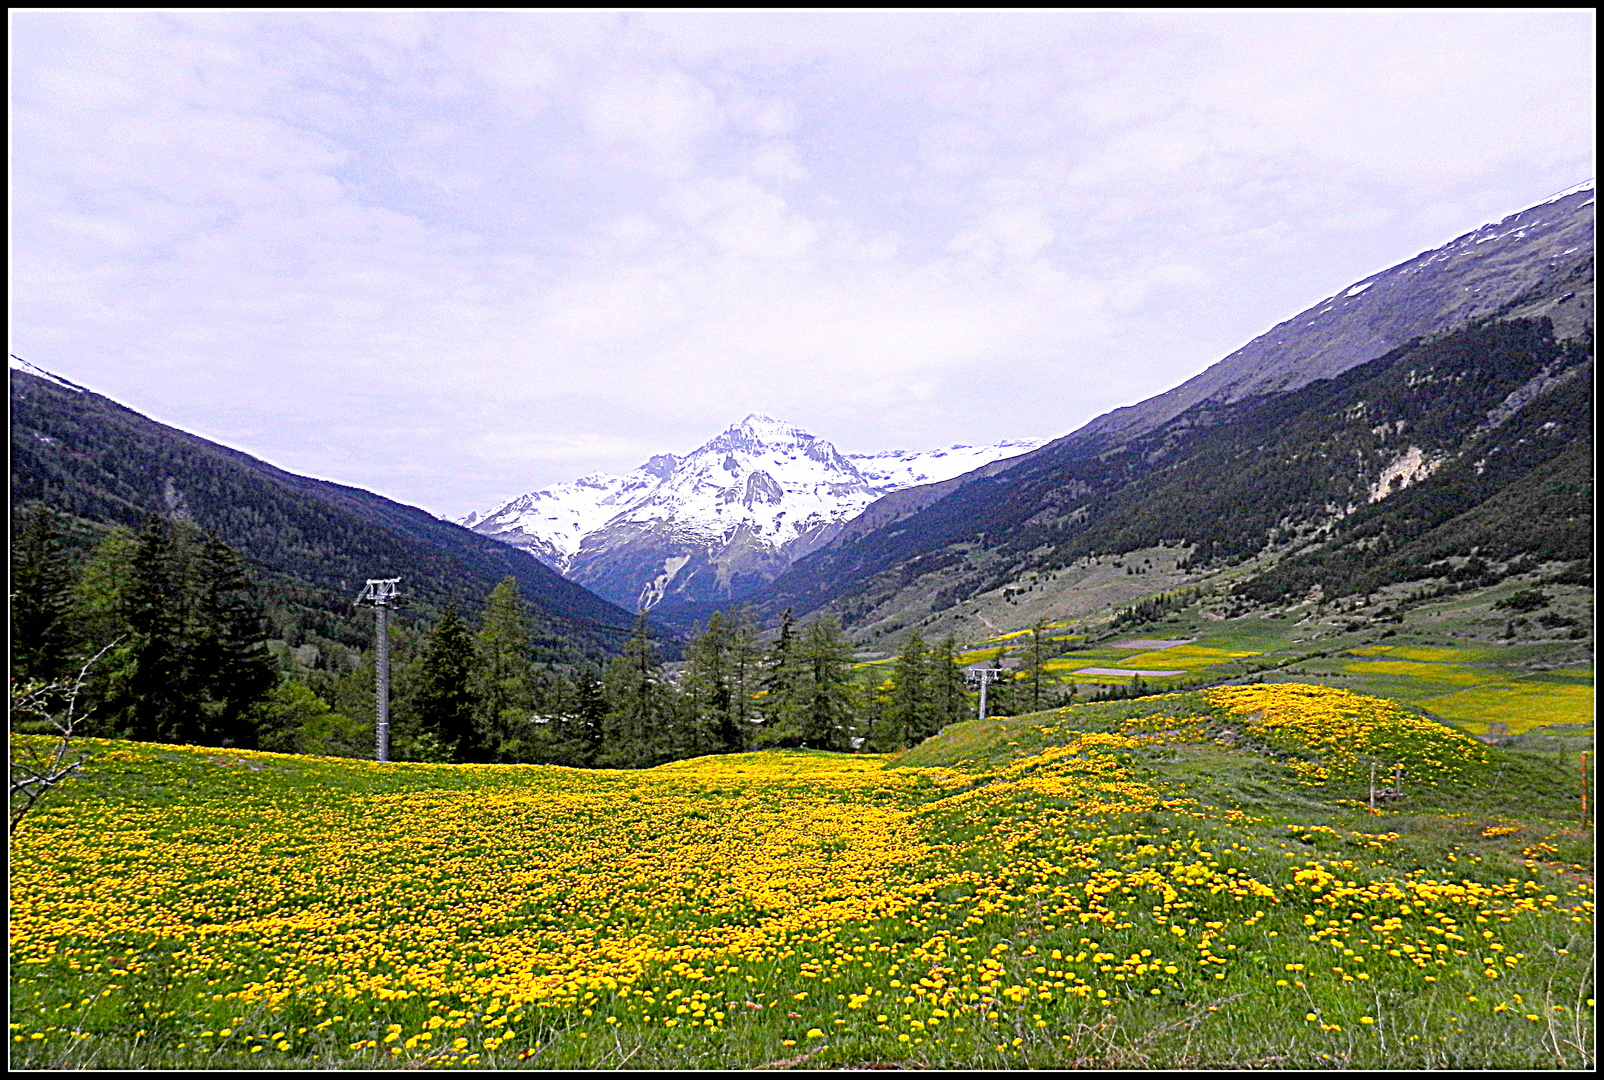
<point>1578,676</point>
<point>1520,706</point>
<point>1249,634</point>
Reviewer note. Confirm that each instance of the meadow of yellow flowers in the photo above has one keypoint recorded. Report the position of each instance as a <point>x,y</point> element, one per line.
<point>1077,887</point>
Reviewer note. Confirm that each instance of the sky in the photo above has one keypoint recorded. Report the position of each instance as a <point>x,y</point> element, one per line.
<point>454,257</point>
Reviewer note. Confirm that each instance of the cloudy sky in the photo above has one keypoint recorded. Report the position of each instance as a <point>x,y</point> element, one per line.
<point>454,257</point>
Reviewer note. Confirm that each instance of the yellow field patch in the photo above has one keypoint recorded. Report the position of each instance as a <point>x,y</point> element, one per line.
<point>1432,655</point>
<point>1437,673</point>
<point>1185,656</point>
<point>672,869</point>
<point>1063,664</point>
<point>1520,706</point>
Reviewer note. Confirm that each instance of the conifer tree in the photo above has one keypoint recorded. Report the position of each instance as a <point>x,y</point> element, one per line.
<point>41,579</point>
<point>1036,657</point>
<point>637,731</point>
<point>445,702</point>
<point>228,651</point>
<point>826,698</point>
<point>779,682</point>
<point>503,671</point>
<point>147,671</point>
<point>589,716</point>
<point>949,695</point>
<point>746,668</point>
<point>910,708</point>
<point>194,665</point>
<point>711,698</point>
<point>100,593</point>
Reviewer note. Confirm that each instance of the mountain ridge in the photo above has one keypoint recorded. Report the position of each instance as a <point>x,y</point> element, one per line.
<point>1534,264</point>
<point>719,521</point>
<point>89,456</point>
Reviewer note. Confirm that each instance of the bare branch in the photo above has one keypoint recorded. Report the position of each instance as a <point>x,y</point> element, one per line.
<point>34,774</point>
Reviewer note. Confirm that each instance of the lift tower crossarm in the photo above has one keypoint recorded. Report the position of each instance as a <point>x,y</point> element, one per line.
<point>986,675</point>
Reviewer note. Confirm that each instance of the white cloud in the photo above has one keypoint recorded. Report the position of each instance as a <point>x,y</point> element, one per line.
<point>665,113</point>
<point>559,242</point>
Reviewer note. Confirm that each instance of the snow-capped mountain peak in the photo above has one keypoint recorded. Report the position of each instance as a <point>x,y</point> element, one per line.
<point>721,520</point>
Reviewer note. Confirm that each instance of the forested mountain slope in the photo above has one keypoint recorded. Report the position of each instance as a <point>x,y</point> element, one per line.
<point>310,541</point>
<point>1433,449</point>
<point>1532,264</point>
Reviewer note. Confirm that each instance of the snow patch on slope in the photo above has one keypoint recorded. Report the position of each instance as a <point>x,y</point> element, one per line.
<point>19,364</point>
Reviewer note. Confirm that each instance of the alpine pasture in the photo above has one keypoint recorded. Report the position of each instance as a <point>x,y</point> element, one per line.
<point>1194,880</point>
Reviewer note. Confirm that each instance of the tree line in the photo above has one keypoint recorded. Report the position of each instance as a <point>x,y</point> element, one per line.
<point>189,661</point>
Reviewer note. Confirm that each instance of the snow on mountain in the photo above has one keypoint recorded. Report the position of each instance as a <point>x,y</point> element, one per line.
<point>19,364</point>
<point>895,469</point>
<point>730,515</point>
<point>1585,185</point>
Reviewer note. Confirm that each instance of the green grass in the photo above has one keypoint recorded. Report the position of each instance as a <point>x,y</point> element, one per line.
<point>1158,883</point>
<point>1516,707</point>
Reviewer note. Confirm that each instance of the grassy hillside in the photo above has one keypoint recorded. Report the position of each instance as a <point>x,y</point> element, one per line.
<point>1468,657</point>
<point>1184,881</point>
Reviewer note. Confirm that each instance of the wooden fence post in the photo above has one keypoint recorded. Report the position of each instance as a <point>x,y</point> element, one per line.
<point>1584,788</point>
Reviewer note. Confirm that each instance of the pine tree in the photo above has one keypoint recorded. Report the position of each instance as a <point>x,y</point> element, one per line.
<point>779,682</point>
<point>41,579</point>
<point>193,665</point>
<point>827,722</point>
<point>589,716</point>
<point>746,663</point>
<point>503,671</point>
<point>949,695</point>
<point>228,651</point>
<point>147,683</point>
<point>445,702</point>
<point>637,729</point>
<point>100,594</point>
<point>712,700</point>
<point>1035,674</point>
<point>910,708</point>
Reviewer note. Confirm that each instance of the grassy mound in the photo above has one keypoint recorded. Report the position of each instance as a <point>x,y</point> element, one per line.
<point>1154,883</point>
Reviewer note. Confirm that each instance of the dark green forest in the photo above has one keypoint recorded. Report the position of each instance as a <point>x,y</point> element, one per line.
<point>184,656</point>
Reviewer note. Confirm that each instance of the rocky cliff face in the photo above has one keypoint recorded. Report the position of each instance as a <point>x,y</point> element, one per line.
<point>719,522</point>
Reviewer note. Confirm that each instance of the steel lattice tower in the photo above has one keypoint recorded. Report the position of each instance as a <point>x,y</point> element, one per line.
<point>381,593</point>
